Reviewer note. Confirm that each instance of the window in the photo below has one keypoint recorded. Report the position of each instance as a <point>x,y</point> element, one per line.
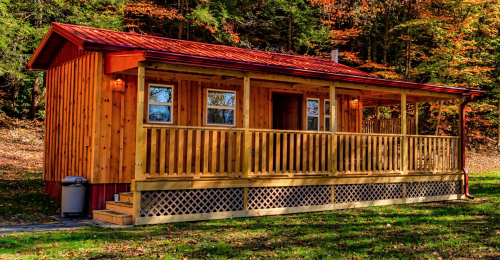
<point>160,103</point>
<point>313,114</point>
<point>221,107</point>
<point>327,115</point>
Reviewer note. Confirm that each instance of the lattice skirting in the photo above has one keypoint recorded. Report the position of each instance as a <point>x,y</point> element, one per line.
<point>182,202</point>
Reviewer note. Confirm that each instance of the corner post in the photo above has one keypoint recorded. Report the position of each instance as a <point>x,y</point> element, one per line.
<point>247,150</point>
<point>139,142</point>
<point>415,116</point>
<point>461,118</point>
<point>333,120</point>
<point>404,141</point>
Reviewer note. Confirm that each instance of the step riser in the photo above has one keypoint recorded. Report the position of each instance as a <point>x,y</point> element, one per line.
<point>121,209</point>
<point>126,198</point>
<point>119,220</point>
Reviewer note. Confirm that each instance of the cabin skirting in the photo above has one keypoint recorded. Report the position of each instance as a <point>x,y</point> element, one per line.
<point>97,194</point>
<point>164,206</point>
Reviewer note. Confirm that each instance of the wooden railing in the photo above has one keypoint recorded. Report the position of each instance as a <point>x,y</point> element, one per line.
<point>368,153</point>
<point>285,152</point>
<point>388,126</point>
<point>433,153</point>
<point>192,151</point>
<point>170,151</point>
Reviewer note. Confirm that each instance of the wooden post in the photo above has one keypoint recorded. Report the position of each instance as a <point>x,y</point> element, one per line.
<point>139,170</point>
<point>333,119</point>
<point>460,122</point>
<point>247,150</point>
<point>139,140</point>
<point>376,127</point>
<point>404,141</point>
<point>415,116</point>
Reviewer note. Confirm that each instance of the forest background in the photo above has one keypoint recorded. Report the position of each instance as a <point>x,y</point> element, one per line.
<point>453,43</point>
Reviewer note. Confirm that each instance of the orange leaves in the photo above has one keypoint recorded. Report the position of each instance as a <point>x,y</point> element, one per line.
<point>150,9</point>
<point>230,30</point>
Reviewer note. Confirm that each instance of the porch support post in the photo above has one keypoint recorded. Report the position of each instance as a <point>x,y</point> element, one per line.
<point>415,116</point>
<point>377,122</point>
<point>139,141</point>
<point>404,141</point>
<point>333,120</point>
<point>139,170</point>
<point>247,150</point>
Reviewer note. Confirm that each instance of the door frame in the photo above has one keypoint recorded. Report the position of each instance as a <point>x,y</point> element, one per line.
<point>302,95</point>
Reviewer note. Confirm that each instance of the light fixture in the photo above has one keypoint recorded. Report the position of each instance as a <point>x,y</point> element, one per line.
<point>119,86</point>
<point>354,102</point>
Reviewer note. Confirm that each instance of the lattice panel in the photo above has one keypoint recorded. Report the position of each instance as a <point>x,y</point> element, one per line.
<point>368,192</point>
<point>433,188</point>
<point>177,202</point>
<point>281,197</point>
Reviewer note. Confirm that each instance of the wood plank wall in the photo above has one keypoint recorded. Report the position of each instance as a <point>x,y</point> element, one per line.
<point>69,116</point>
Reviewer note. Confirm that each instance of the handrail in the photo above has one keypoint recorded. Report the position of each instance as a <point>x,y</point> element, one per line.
<point>434,136</point>
<point>366,134</point>
<point>150,126</point>
<point>288,131</point>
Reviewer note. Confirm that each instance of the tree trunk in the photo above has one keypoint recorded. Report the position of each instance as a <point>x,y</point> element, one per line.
<point>386,38</point>
<point>34,97</point>
<point>181,23</point>
<point>499,123</point>
<point>439,117</point>
<point>290,34</point>
<point>408,43</point>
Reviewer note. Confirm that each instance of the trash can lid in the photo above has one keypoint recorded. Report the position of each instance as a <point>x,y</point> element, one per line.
<point>74,180</point>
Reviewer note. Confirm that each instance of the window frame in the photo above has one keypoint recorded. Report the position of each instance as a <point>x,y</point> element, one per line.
<point>221,107</point>
<point>171,105</point>
<point>329,116</point>
<point>309,115</point>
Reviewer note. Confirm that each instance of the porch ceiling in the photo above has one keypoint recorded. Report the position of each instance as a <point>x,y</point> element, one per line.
<point>370,98</point>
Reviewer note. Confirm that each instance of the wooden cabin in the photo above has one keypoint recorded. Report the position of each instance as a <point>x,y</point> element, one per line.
<point>193,131</point>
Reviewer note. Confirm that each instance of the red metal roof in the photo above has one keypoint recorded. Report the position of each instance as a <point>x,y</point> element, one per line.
<point>211,55</point>
<point>145,42</point>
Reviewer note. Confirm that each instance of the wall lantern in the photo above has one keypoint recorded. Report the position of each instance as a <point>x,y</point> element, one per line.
<point>119,84</point>
<point>354,103</point>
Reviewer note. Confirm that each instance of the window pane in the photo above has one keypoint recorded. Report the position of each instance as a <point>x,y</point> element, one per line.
<point>312,107</point>
<point>327,108</point>
<point>327,124</point>
<point>159,113</point>
<point>223,99</point>
<point>312,123</point>
<point>159,94</point>
<point>220,116</point>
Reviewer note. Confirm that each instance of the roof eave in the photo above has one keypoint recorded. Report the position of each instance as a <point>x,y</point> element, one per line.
<point>254,67</point>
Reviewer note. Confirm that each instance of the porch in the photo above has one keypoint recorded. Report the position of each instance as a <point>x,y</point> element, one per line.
<point>196,172</point>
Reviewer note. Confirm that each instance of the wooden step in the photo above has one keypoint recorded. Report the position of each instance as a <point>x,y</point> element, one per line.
<point>119,206</point>
<point>126,197</point>
<point>113,217</point>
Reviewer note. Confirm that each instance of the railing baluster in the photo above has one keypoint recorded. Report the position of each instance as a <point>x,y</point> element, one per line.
<point>257,152</point>
<point>285,152</point>
<point>189,151</point>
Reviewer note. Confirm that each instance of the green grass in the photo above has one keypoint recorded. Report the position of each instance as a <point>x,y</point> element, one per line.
<point>457,229</point>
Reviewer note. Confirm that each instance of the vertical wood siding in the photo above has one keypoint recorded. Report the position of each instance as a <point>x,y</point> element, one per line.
<point>69,118</point>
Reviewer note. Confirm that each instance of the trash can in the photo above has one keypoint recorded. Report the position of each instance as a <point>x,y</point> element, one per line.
<point>73,195</point>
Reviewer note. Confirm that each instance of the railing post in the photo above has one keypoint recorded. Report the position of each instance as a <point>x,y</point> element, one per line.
<point>376,127</point>
<point>247,150</point>
<point>404,141</point>
<point>415,117</point>
<point>333,120</point>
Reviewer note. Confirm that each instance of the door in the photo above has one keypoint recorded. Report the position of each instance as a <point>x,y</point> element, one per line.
<point>287,111</point>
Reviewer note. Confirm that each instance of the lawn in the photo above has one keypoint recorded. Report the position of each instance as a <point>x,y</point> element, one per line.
<point>457,229</point>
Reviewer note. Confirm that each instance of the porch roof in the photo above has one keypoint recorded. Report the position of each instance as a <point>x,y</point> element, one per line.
<point>209,55</point>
